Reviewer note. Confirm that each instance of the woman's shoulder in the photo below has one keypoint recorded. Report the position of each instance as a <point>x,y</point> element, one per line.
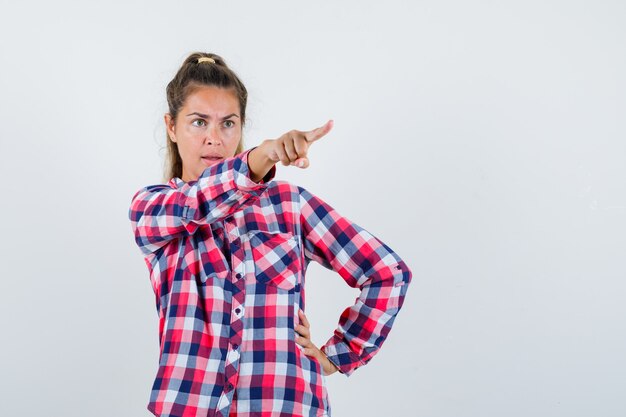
<point>284,189</point>
<point>280,186</point>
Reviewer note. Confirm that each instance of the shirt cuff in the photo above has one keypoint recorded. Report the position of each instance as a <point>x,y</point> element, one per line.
<point>244,181</point>
<point>340,354</point>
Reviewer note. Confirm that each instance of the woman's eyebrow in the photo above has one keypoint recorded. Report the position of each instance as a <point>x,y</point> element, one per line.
<point>206,116</point>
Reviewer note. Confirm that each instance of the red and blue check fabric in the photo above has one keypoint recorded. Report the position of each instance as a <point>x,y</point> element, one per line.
<point>227,258</point>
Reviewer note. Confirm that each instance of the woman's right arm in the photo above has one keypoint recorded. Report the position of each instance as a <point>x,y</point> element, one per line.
<point>160,213</point>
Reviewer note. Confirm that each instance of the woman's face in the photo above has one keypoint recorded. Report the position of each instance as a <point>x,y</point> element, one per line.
<point>207,129</point>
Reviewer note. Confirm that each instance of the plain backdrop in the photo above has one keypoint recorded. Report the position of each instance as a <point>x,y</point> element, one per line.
<point>483,141</point>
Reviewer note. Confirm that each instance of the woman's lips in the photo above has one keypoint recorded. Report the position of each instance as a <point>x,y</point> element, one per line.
<point>211,159</point>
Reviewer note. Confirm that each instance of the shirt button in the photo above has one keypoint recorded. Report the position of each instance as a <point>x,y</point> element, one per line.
<point>238,275</point>
<point>235,346</point>
<point>230,386</point>
<point>237,310</point>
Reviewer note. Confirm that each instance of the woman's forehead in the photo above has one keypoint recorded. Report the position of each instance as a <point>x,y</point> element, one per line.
<point>212,99</point>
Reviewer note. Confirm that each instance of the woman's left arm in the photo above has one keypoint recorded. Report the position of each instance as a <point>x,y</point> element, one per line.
<point>364,262</point>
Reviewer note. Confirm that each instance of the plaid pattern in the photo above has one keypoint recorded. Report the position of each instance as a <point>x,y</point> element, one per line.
<point>226,326</point>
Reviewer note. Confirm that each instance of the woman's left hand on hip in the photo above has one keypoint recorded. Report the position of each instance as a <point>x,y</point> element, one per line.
<point>303,338</point>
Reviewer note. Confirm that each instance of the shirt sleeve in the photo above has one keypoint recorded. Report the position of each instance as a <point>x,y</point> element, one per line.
<point>364,262</point>
<point>160,213</point>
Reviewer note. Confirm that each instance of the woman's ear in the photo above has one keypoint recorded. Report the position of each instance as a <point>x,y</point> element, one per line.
<point>170,126</point>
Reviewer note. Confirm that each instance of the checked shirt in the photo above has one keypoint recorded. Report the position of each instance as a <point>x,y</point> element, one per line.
<point>227,259</point>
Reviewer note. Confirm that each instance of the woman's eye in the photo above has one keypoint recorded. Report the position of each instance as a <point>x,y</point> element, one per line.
<point>198,120</point>
<point>229,123</point>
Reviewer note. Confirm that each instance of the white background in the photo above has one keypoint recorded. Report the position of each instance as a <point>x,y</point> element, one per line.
<point>483,141</point>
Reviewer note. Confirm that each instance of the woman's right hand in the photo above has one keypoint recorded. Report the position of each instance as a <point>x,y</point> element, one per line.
<point>292,147</point>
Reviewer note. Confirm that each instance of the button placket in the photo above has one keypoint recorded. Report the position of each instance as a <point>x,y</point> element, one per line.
<point>237,301</point>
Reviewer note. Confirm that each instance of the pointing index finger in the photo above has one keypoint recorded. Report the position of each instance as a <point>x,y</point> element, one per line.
<point>315,134</point>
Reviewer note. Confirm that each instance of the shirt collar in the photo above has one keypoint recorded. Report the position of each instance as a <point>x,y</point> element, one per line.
<point>176,182</point>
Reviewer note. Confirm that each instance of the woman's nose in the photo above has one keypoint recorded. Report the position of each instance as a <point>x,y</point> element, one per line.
<point>213,136</point>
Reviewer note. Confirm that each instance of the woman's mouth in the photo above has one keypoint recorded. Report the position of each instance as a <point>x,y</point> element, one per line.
<point>211,159</point>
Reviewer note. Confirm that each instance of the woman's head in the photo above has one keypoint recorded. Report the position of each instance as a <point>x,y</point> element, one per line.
<point>207,112</point>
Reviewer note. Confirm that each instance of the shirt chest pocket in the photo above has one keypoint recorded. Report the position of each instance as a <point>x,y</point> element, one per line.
<point>276,258</point>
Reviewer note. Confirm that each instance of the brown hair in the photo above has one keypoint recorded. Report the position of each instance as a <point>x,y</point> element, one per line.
<point>189,77</point>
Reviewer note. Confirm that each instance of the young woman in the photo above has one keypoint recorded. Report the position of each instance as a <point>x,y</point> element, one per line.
<point>227,248</point>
